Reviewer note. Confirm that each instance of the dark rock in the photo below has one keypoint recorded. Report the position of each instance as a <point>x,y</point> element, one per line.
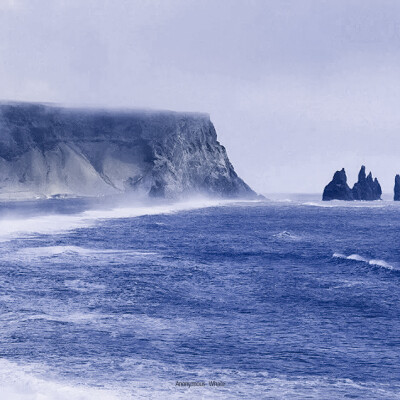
<point>397,188</point>
<point>366,188</point>
<point>47,150</point>
<point>338,189</point>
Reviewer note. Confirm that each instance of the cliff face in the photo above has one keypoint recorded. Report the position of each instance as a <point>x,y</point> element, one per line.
<point>366,188</point>
<point>338,189</point>
<point>46,150</point>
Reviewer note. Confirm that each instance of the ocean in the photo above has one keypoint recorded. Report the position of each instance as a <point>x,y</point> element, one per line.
<point>205,299</point>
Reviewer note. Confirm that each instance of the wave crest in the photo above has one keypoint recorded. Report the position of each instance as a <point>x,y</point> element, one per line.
<point>359,258</point>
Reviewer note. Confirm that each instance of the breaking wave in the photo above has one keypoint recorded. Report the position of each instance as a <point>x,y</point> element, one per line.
<point>374,262</point>
<point>50,251</point>
<point>61,254</point>
<point>21,383</point>
<point>346,204</point>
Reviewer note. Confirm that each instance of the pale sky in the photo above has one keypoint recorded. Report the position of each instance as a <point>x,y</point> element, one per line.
<point>296,88</point>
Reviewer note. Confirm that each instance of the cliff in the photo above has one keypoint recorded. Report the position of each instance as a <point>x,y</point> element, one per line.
<point>366,188</point>
<point>338,189</point>
<point>397,188</point>
<point>47,150</point>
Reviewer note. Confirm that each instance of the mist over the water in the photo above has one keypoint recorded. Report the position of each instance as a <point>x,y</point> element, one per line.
<point>296,89</point>
<point>47,217</point>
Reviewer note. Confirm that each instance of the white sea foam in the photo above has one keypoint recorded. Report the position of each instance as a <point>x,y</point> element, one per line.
<point>56,223</point>
<point>338,255</point>
<point>155,380</point>
<point>20,383</point>
<point>381,263</point>
<point>357,257</point>
<point>61,254</point>
<point>286,235</point>
<point>374,262</point>
<point>74,317</point>
<point>347,204</point>
<point>49,251</point>
<point>325,205</point>
<point>82,286</point>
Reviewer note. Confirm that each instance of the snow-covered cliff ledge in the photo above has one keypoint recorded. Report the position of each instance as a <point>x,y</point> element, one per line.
<point>47,150</point>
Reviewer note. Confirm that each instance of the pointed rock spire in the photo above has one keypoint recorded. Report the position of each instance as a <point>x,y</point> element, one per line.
<point>361,174</point>
<point>366,188</point>
<point>377,188</point>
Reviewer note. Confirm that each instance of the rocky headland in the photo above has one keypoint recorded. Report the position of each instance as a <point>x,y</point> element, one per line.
<point>55,151</point>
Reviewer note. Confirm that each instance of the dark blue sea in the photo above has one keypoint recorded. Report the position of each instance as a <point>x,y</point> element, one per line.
<point>288,299</point>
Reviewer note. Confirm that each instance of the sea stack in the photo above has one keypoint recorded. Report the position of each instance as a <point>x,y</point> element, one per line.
<point>337,188</point>
<point>397,188</point>
<point>366,188</point>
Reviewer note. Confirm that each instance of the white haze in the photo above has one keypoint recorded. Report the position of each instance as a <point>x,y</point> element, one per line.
<point>15,225</point>
<point>296,89</point>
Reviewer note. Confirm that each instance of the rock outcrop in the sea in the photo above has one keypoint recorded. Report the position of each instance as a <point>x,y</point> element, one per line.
<point>47,151</point>
<point>366,188</point>
<point>397,188</point>
<point>337,188</point>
